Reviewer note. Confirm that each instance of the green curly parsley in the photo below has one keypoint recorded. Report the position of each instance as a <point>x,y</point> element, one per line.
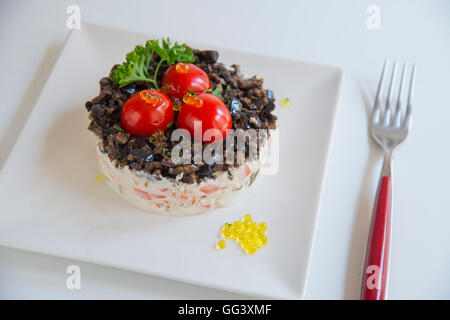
<point>217,92</point>
<point>135,68</point>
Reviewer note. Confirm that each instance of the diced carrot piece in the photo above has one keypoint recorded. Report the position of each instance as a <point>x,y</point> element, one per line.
<point>184,196</point>
<point>207,206</point>
<point>159,196</point>
<point>174,194</point>
<point>193,200</point>
<point>210,188</point>
<point>166,202</point>
<point>164,189</point>
<point>158,205</point>
<point>143,194</point>
<point>247,170</point>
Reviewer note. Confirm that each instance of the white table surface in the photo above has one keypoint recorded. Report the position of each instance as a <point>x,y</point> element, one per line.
<point>333,32</point>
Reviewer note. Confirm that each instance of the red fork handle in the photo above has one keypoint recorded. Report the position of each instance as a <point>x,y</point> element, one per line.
<point>375,273</point>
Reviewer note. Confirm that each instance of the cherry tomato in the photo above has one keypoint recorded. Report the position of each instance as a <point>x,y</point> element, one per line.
<point>147,111</point>
<point>182,77</point>
<point>208,109</point>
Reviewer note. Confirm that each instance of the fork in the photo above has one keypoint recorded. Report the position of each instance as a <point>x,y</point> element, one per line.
<point>389,126</point>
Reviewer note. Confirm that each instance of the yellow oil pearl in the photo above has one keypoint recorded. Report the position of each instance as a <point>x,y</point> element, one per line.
<point>152,139</point>
<point>257,242</point>
<point>263,226</point>
<point>286,103</point>
<point>100,178</point>
<point>226,232</point>
<point>221,244</point>
<point>176,104</point>
<point>246,240</point>
<point>264,240</point>
<point>158,133</point>
<point>250,235</point>
<point>250,250</point>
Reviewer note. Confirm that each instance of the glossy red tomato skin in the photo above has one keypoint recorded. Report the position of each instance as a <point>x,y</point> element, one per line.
<point>176,84</point>
<point>213,114</point>
<point>141,118</point>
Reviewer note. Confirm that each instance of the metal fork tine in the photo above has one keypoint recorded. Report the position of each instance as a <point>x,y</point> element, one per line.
<point>388,110</point>
<point>391,87</point>
<point>381,85</point>
<point>410,97</point>
<point>376,108</point>
<point>402,87</point>
<point>398,113</point>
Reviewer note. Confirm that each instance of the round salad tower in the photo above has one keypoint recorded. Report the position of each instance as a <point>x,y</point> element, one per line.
<point>163,89</point>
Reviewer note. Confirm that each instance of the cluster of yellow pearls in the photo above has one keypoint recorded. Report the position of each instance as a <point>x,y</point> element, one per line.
<point>251,236</point>
<point>182,67</point>
<point>192,99</point>
<point>151,99</point>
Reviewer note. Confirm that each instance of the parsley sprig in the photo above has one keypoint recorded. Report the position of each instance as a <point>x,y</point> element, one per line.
<point>135,68</point>
<point>217,92</point>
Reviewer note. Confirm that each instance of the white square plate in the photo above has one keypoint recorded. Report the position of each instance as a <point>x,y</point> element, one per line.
<point>52,204</point>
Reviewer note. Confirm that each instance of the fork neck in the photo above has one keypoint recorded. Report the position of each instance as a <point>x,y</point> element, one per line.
<point>386,171</point>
